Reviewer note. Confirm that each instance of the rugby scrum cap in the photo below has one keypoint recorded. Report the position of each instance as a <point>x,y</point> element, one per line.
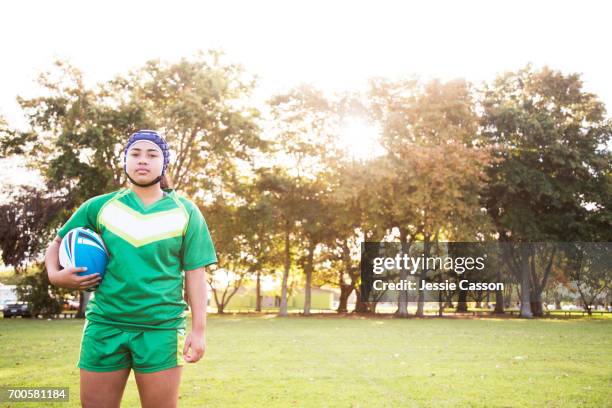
<point>155,139</point>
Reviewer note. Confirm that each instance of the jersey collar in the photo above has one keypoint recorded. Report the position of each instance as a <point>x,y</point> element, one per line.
<point>170,192</point>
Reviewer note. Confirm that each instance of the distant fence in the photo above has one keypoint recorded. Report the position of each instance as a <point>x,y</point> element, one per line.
<point>428,312</point>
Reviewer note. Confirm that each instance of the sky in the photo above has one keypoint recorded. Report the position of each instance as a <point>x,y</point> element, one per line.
<point>335,45</point>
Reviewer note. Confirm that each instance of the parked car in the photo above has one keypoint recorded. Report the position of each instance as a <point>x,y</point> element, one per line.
<point>7,301</point>
<point>17,309</point>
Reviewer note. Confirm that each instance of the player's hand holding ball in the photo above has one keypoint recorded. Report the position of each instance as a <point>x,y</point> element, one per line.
<point>69,278</point>
<point>84,257</point>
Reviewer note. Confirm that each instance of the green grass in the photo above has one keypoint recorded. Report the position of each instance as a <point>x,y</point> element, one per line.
<point>264,360</point>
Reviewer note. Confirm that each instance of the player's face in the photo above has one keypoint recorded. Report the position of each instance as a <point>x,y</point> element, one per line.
<point>144,162</point>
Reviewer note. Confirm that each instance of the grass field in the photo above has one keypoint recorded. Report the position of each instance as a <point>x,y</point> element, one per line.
<point>259,361</point>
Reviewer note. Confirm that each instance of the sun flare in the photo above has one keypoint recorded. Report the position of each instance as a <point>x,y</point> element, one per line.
<point>360,139</point>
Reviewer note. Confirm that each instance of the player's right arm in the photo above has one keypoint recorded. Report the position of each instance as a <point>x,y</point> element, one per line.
<point>66,278</point>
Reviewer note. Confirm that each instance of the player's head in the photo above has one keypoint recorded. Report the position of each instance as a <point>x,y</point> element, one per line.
<point>146,158</point>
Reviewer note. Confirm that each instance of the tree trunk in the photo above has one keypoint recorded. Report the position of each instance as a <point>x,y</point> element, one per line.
<point>402,297</point>
<point>353,274</point>
<point>81,312</point>
<point>421,299</point>
<point>508,296</point>
<point>308,271</point>
<point>462,302</point>
<point>537,287</point>
<point>283,304</point>
<point>258,292</point>
<point>422,276</point>
<point>345,292</point>
<point>499,297</point>
<point>84,298</point>
<point>525,282</point>
<point>499,302</point>
<point>536,305</point>
<point>360,306</point>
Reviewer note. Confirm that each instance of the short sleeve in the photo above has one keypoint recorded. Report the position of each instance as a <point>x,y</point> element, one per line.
<point>82,217</point>
<point>198,249</point>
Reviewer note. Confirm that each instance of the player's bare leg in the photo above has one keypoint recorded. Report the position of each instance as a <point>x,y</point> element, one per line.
<point>103,389</point>
<point>159,389</point>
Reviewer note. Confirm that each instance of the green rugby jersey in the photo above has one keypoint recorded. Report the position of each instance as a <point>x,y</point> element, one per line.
<point>149,248</point>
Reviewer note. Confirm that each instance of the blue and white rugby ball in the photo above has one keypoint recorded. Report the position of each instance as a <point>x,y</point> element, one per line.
<point>83,247</point>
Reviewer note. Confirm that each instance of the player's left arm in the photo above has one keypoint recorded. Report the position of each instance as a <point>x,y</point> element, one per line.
<point>197,296</point>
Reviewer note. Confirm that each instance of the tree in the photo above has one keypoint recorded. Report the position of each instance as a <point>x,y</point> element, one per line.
<point>551,179</point>
<point>226,278</point>
<point>276,184</point>
<point>305,127</point>
<point>357,206</point>
<point>434,168</point>
<point>23,233</point>
<point>257,224</point>
<point>341,252</point>
<point>590,268</point>
<point>318,213</point>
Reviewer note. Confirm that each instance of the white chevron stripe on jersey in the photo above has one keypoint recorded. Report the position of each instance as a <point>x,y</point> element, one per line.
<point>141,229</point>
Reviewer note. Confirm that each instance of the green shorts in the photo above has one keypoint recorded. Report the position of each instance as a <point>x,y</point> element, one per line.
<point>108,348</point>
